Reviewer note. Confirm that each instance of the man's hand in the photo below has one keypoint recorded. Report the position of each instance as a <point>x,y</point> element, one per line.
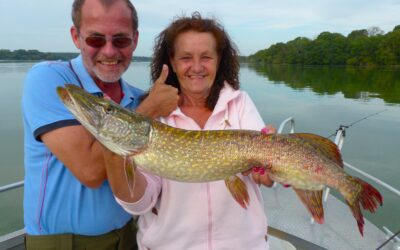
<point>259,175</point>
<point>162,99</point>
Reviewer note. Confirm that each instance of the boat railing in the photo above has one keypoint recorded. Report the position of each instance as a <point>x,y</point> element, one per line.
<point>289,124</point>
<point>11,186</point>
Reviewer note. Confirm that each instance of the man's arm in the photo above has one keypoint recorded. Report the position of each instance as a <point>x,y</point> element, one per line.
<point>79,151</point>
<point>45,115</point>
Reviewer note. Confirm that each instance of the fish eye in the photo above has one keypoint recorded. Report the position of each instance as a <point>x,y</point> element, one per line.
<point>108,109</point>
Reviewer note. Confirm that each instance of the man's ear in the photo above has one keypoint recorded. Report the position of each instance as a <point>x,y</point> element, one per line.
<point>135,40</point>
<point>75,37</point>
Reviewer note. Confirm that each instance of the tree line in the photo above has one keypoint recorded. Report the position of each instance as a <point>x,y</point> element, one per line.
<point>365,47</point>
<point>35,55</point>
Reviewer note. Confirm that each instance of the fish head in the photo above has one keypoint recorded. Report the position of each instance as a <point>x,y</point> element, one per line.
<point>122,131</point>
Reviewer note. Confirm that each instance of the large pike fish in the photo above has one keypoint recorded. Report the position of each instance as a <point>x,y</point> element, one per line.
<point>307,162</point>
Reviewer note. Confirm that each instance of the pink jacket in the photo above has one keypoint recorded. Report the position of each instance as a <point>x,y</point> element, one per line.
<point>181,216</point>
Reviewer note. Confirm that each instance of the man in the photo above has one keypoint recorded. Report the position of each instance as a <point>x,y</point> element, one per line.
<point>67,201</point>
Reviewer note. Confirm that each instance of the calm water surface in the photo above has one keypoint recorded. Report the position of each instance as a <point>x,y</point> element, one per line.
<point>319,98</point>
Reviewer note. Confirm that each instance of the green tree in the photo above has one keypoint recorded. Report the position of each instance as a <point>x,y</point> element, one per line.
<point>388,52</point>
<point>364,47</point>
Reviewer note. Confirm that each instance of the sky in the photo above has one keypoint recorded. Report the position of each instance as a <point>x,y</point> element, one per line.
<point>252,24</point>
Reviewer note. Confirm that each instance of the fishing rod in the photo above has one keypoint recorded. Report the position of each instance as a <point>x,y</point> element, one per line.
<point>344,127</point>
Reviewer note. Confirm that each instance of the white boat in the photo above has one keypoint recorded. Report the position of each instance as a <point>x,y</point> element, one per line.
<point>290,225</point>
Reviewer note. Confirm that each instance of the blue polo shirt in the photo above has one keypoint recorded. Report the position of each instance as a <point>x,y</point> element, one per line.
<point>55,201</point>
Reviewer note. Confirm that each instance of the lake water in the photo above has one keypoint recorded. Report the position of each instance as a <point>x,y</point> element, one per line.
<point>319,98</point>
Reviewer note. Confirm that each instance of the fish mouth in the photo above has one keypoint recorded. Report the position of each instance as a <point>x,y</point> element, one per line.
<point>103,118</point>
<point>80,104</point>
<point>63,94</point>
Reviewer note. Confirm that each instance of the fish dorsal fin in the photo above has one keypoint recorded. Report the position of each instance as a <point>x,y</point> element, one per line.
<point>323,145</point>
<point>312,199</point>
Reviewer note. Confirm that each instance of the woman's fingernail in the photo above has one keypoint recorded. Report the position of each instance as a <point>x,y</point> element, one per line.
<point>264,130</point>
<point>262,171</point>
<point>256,169</point>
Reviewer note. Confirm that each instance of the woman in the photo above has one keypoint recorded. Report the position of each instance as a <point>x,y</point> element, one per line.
<point>202,64</point>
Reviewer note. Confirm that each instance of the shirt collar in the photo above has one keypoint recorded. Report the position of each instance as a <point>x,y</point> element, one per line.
<point>226,95</point>
<point>130,94</point>
<point>87,81</point>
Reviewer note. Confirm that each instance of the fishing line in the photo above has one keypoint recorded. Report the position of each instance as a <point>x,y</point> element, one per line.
<point>388,240</point>
<point>344,127</point>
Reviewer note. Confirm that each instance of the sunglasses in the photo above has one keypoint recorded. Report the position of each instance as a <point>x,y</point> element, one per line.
<point>117,41</point>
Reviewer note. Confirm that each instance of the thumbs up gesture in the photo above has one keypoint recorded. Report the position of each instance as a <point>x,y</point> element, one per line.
<point>162,98</point>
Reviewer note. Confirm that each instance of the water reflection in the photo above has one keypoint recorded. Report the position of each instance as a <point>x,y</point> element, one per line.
<point>355,83</point>
<point>15,67</point>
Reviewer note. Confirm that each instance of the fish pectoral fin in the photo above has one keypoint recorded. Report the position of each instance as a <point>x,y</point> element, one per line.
<point>312,199</point>
<point>130,168</point>
<point>238,189</point>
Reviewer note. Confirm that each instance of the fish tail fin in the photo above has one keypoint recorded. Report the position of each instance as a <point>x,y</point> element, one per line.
<point>356,211</point>
<point>369,198</point>
<point>238,189</point>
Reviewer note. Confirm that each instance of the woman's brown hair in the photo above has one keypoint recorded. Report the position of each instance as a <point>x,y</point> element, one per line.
<point>228,68</point>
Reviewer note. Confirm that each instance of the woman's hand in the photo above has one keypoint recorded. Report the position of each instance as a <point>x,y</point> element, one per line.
<point>260,174</point>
